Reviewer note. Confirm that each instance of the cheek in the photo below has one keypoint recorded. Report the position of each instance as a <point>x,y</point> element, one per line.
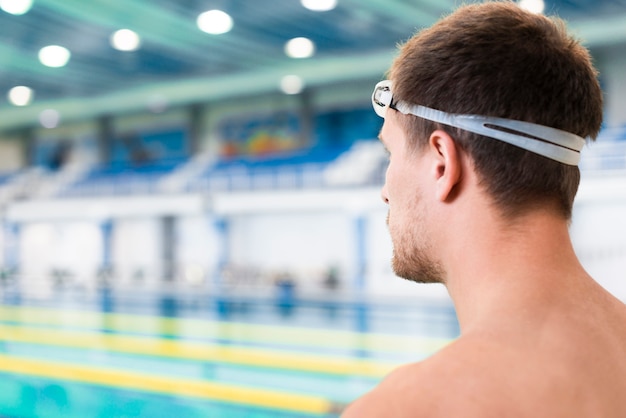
<point>397,201</point>
<point>398,184</point>
<point>405,193</point>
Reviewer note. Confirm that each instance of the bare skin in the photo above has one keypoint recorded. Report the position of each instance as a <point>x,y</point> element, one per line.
<point>539,337</point>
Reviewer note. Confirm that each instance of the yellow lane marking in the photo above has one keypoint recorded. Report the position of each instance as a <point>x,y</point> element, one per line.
<point>188,350</point>
<point>199,328</point>
<point>173,386</point>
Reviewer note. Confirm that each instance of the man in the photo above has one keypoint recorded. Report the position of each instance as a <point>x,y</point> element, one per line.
<point>485,115</point>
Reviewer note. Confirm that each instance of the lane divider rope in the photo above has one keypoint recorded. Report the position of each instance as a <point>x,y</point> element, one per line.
<point>171,386</point>
<point>188,350</point>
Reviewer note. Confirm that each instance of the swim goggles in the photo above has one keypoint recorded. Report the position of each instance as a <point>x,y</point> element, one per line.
<point>552,143</point>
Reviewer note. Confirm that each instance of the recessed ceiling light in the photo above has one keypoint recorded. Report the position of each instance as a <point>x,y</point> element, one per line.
<point>300,48</point>
<point>319,5</point>
<point>49,118</point>
<point>16,7</point>
<point>20,95</point>
<point>157,103</point>
<point>54,56</point>
<point>215,22</point>
<point>533,6</point>
<point>125,40</point>
<point>291,84</point>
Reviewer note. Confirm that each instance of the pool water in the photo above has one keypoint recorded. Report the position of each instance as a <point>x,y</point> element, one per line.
<point>57,361</point>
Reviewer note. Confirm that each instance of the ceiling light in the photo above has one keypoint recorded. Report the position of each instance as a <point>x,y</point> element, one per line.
<point>54,56</point>
<point>291,84</point>
<point>300,48</point>
<point>319,5</point>
<point>16,7</point>
<point>125,40</point>
<point>533,6</point>
<point>49,118</point>
<point>215,22</point>
<point>157,103</point>
<point>20,95</point>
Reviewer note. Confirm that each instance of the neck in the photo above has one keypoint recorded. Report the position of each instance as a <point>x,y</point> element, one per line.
<point>497,267</point>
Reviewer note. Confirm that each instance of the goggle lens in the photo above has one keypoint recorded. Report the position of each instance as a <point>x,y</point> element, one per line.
<point>381,98</point>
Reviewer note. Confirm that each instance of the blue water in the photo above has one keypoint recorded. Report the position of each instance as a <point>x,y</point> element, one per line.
<point>32,397</point>
<point>36,396</point>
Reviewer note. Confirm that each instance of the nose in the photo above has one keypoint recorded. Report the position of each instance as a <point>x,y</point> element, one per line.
<point>383,194</point>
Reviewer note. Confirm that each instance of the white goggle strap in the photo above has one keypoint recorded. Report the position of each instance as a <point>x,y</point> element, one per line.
<point>552,143</point>
<point>549,142</point>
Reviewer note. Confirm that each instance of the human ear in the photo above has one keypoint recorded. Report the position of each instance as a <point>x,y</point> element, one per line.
<point>447,167</point>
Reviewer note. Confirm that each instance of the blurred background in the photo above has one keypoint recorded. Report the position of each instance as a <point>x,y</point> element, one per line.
<point>190,203</point>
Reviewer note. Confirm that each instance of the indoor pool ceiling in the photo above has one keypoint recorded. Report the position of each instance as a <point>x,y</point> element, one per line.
<point>177,63</point>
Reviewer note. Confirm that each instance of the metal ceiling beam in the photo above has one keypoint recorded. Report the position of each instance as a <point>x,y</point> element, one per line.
<point>419,14</point>
<point>159,27</point>
<point>603,31</point>
<point>258,79</point>
<point>27,65</point>
<point>12,59</point>
<point>314,73</point>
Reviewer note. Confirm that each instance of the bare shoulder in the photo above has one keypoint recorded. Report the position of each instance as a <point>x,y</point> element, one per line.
<point>576,374</point>
<point>453,382</point>
<point>398,395</point>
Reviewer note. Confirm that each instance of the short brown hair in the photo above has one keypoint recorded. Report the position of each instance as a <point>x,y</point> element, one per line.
<point>495,59</point>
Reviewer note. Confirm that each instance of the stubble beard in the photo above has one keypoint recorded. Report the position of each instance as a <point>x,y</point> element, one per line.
<point>412,258</point>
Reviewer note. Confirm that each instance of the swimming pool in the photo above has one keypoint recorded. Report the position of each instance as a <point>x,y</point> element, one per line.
<point>75,362</point>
